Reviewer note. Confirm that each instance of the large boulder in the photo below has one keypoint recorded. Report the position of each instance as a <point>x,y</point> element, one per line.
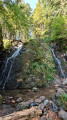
<point>63,115</point>
<point>23,105</point>
<point>6,109</point>
<point>59,92</point>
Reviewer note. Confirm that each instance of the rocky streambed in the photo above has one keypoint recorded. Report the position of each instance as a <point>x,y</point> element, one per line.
<point>39,100</point>
<point>49,100</point>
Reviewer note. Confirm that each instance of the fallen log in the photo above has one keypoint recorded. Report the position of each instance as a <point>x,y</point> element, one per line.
<point>27,114</point>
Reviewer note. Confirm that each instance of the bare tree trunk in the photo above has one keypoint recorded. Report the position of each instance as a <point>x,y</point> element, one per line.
<point>23,115</point>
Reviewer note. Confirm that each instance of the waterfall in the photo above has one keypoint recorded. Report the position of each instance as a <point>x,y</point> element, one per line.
<point>58,62</point>
<point>7,67</point>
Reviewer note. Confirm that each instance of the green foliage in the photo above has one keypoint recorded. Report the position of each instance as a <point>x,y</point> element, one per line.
<point>15,17</point>
<point>42,61</point>
<point>6,43</point>
<point>58,28</point>
<point>59,33</point>
<point>50,21</point>
<point>64,98</point>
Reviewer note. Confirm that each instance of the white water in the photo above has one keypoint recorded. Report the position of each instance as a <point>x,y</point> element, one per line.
<point>7,67</point>
<point>59,64</point>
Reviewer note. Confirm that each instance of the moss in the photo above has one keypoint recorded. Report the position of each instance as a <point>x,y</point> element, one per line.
<point>38,61</point>
<point>6,43</point>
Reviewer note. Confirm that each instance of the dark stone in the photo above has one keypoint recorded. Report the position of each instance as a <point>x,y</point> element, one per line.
<point>43,118</point>
<point>54,107</point>
<point>33,104</point>
<point>6,109</point>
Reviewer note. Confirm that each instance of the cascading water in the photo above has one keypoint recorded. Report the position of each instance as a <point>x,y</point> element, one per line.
<point>58,62</point>
<point>7,67</point>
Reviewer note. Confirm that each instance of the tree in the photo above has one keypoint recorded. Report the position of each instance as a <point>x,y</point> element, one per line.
<point>14,17</point>
<point>50,20</point>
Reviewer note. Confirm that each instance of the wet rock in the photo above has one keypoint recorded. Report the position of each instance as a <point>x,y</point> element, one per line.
<point>63,115</point>
<point>65,82</point>
<point>53,98</point>
<point>22,106</point>
<point>1,99</point>
<point>30,101</point>
<point>6,109</point>
<point>41,106</point>
<point>35,89</point>
<point>38,101</point>
<point>33,104</point>
<point>33,81</point>
<point>43,118</point>
<point>52,116</point>
<point>59,93</point>
<point>36,118</point>
<point>10,98</point>
<point>58,102</point>
<point>42,98</point>
<point>60,108</point>
<point>45,113</point>
<point>60,90</point>
<point>19,100</point>
<point>54,107</point>
<point>56,82</point>
<point>46,102</point>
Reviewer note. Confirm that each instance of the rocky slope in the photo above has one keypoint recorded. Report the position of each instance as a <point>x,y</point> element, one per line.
<point>34,67</point>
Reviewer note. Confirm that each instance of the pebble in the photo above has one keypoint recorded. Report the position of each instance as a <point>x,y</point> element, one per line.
<point>35,89</point>
<point>13,101</point>
<point>42,98</point>
<point>41,106</point>
<point>19,100</point>
<point>10,98</point>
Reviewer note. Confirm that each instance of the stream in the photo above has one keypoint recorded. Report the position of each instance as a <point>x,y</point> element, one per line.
<point>7,67</point>
<point>59,65</point>
<point>8,64</point>
<point>10,97</point>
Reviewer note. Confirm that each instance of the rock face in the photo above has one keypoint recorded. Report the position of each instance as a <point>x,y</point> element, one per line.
<point>28,114</point>
<point>63,115</point>
<point>33,82</point>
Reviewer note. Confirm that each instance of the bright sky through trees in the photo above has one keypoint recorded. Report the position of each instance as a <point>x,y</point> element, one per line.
<point>32,3</point>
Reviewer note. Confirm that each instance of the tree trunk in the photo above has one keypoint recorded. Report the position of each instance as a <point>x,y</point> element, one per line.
<point>23,115</point>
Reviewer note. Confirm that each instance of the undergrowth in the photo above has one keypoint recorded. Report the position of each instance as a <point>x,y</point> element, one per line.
<point>41,64</point>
